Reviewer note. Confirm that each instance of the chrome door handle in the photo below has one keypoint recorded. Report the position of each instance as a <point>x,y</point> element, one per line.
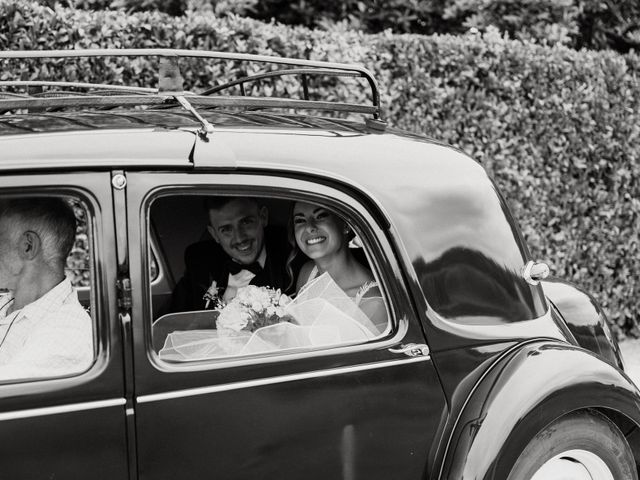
<point>412,350</point>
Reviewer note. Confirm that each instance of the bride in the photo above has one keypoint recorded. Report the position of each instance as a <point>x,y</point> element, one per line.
<point>324,238</point>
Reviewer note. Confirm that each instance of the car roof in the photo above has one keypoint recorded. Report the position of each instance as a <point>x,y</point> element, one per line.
<point>104,139</point>
<point>165,139</point>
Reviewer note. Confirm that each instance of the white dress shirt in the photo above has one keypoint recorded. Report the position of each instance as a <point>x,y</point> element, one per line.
<point>242,278</point>
<point>49,337</point>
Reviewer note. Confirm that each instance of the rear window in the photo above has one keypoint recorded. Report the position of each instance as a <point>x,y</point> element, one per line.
<point>255,276</point>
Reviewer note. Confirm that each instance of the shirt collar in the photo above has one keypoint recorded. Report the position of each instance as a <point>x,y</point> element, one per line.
<point>6,299</point>
<point>262,258</point>
<point>49,301</point>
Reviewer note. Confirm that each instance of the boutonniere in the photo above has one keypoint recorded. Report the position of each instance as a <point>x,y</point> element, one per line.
<point>211,295</point>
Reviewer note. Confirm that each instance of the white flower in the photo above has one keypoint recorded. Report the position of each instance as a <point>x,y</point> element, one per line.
<point>241,295</point>
<point>284,300</point>
<point>253,307</point>
<point>257,307</point>
<point>212,291</point>
<point>233,317</point>
<point>263,298</point>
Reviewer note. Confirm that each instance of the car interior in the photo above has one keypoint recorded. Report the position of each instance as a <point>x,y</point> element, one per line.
<point>179,220</point>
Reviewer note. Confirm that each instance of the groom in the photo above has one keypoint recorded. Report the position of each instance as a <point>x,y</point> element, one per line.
<point>242,251</point>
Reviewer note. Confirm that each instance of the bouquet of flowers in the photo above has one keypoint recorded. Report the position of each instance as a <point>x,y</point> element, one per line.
<point>252,308</point>
<point>262,319</point>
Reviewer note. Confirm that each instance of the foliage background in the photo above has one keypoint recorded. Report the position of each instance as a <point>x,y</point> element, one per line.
<point>594,24</point>
<point>558,128</point>
<point>78,262</point>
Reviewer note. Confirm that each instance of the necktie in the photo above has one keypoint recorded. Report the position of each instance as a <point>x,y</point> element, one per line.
<point>235,267</point>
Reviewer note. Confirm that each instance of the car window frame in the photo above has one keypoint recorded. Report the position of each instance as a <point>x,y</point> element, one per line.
<point>99,321</point>
<point>349,204</point>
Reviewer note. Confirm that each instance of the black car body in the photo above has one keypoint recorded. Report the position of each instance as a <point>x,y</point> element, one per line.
<point>477,360</point>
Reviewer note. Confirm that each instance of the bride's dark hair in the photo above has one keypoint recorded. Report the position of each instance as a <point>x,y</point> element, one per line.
<point>292,267</point>
<point>293,255</point>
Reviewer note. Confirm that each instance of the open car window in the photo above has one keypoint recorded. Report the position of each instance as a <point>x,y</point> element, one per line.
<point>47,311</point>
<point>260,276</point>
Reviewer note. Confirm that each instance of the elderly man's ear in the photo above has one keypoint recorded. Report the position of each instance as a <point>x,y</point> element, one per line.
<point>29,245</point>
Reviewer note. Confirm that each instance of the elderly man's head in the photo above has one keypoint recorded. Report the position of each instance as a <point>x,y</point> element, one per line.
<point>35,233</point>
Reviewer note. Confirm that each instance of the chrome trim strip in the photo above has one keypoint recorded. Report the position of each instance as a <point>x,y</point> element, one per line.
<point>74,407</point>
<point>273,380</point>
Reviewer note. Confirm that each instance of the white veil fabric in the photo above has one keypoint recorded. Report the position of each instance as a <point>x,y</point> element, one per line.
<point>320,315</point>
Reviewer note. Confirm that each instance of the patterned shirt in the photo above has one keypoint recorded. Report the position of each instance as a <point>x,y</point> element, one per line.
<point>49,337</point>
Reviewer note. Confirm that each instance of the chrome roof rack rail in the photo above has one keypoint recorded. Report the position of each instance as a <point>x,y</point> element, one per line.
<point>103,86</point>
<point>170,84</point>
<point>280,73</point>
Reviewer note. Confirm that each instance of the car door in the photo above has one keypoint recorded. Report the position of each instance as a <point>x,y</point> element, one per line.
<point>368,410</point>
<point>72,426</point>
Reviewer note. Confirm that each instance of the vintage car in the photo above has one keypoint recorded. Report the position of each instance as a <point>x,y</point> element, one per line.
<point>481,368</point>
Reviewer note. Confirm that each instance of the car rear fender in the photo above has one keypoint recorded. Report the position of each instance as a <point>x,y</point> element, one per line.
<point>523,392</point>
<point>585,319</point>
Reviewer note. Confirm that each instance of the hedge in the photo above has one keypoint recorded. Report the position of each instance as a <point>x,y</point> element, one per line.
<point>594,24</point>
<point>558,129</point>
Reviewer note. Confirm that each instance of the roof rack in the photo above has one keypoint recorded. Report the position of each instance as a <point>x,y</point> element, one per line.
<point>170,89</point>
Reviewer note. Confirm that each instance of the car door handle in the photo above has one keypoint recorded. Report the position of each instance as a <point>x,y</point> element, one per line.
<point>413,350</point>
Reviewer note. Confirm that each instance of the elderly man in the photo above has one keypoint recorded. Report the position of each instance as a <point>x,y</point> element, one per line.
<point>242,251</point>
<point>44,331</point>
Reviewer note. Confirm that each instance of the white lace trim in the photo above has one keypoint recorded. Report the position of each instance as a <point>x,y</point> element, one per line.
<point>362,291</point>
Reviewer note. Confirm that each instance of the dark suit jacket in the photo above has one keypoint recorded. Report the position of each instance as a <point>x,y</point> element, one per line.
<point>205,261</point>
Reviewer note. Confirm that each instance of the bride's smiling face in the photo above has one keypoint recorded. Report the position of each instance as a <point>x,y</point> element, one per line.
<point>318,232</point>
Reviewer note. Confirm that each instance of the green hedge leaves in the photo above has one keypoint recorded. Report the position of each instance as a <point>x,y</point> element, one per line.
<point>558,129</point>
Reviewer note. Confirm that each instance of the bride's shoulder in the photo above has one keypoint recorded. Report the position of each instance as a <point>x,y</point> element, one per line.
<point>368,285</point>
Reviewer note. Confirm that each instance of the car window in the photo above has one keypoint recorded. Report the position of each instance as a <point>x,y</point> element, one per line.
<point>255,275</point>
<point>46,274</point>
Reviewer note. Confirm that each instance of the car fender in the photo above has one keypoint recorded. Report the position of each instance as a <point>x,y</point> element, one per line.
<point>585,319</point>
<point>532,385</point>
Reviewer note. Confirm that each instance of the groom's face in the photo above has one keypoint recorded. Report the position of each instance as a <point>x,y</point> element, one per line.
<point>238,227</point>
